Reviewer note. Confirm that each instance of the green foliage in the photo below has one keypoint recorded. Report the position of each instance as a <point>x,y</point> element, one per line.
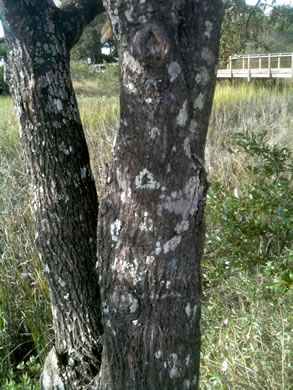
<point>3,53</point>
<point>4,90</point>
<point>233,30</point>
<point>247,304</point>
<point>281,18</point>
<point>279,42</point>
<point>20,379</point>
<point>251,225</point>
<point>88,81</point>
<point>81,71</point>
<point>250,29</point>
<point>89,45</point>
<point>3,48</point>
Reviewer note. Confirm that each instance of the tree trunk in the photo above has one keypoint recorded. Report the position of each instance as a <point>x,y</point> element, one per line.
<point>151,224</point>
<point>63,194</point>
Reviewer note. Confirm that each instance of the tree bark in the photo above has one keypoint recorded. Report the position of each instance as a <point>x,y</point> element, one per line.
<point>151,223</point>
<point>63,194</point>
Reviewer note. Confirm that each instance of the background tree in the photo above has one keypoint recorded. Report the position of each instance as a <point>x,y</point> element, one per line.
<point>3,53</point>
<point>108,38</point>
<point>3,48</point>
<point>233,30</point>
<point>281,18</point>
<point>150,224</point>
<point>90,43</point>
<point>278,34</point>
<point>243,28</point>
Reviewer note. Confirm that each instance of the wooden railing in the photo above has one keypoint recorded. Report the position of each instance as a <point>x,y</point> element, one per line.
<point>261,66</point>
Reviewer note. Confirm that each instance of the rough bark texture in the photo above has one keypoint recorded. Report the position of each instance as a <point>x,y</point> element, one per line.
<point>63,195</point>
<point>151,225</point>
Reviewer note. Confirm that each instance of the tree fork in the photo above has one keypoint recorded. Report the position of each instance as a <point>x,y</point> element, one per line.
<point>150,225</point>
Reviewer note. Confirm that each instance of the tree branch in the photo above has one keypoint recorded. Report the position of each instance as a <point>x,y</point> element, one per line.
<point>76,14</point>
<point>73,15</point>
<point>250,16</point>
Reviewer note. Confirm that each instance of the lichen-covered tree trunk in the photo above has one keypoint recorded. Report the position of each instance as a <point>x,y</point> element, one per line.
<point>146,296</point>
<point>63,195</point>
<point>151,223</point>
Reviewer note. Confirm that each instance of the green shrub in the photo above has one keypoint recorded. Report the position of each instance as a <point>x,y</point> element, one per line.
<point>251,226</point>
<point>20,379</point>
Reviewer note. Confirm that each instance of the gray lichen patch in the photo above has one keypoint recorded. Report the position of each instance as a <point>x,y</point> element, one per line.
<point>207,56</point>
<point>202,76</point>
<point>183,203</point>
<point>115,228</point>
<point>174,70</point>
<point>58,104</point>
<point>208,28</point>
<point>199,102</point>
<point>183,115</point>
<point>173,364</point>
<point>130,62</point>
<point>50,378</point>
<point>145,180</point>
<point>155,132</point>
<point>172,244</point>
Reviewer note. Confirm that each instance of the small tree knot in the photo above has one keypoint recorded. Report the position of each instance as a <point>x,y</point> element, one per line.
<point>151,44</point>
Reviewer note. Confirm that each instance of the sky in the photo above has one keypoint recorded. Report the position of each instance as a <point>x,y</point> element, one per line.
<point>250,2</point>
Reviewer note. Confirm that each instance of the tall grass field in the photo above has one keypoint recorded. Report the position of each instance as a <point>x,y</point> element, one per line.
<point>247,271</point>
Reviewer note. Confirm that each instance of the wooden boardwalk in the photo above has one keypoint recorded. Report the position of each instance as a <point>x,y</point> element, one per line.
<point>253,66</point>
<point>258,66</point>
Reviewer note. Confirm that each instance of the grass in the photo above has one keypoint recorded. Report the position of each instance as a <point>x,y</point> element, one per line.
<point>25,325</point>
<point>247,324</point>
<point>100,118</point>
<point>88,82</point>
<point>246,107</point>
<point>247,336</point>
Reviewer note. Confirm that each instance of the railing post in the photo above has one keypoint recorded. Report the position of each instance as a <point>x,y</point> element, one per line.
<point>267,65</point>
<point>230,66</point>
<point>292,67</point>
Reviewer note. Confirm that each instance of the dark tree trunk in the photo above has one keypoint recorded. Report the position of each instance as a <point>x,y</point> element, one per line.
<point>150,225</point>
<point>63,195</point>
